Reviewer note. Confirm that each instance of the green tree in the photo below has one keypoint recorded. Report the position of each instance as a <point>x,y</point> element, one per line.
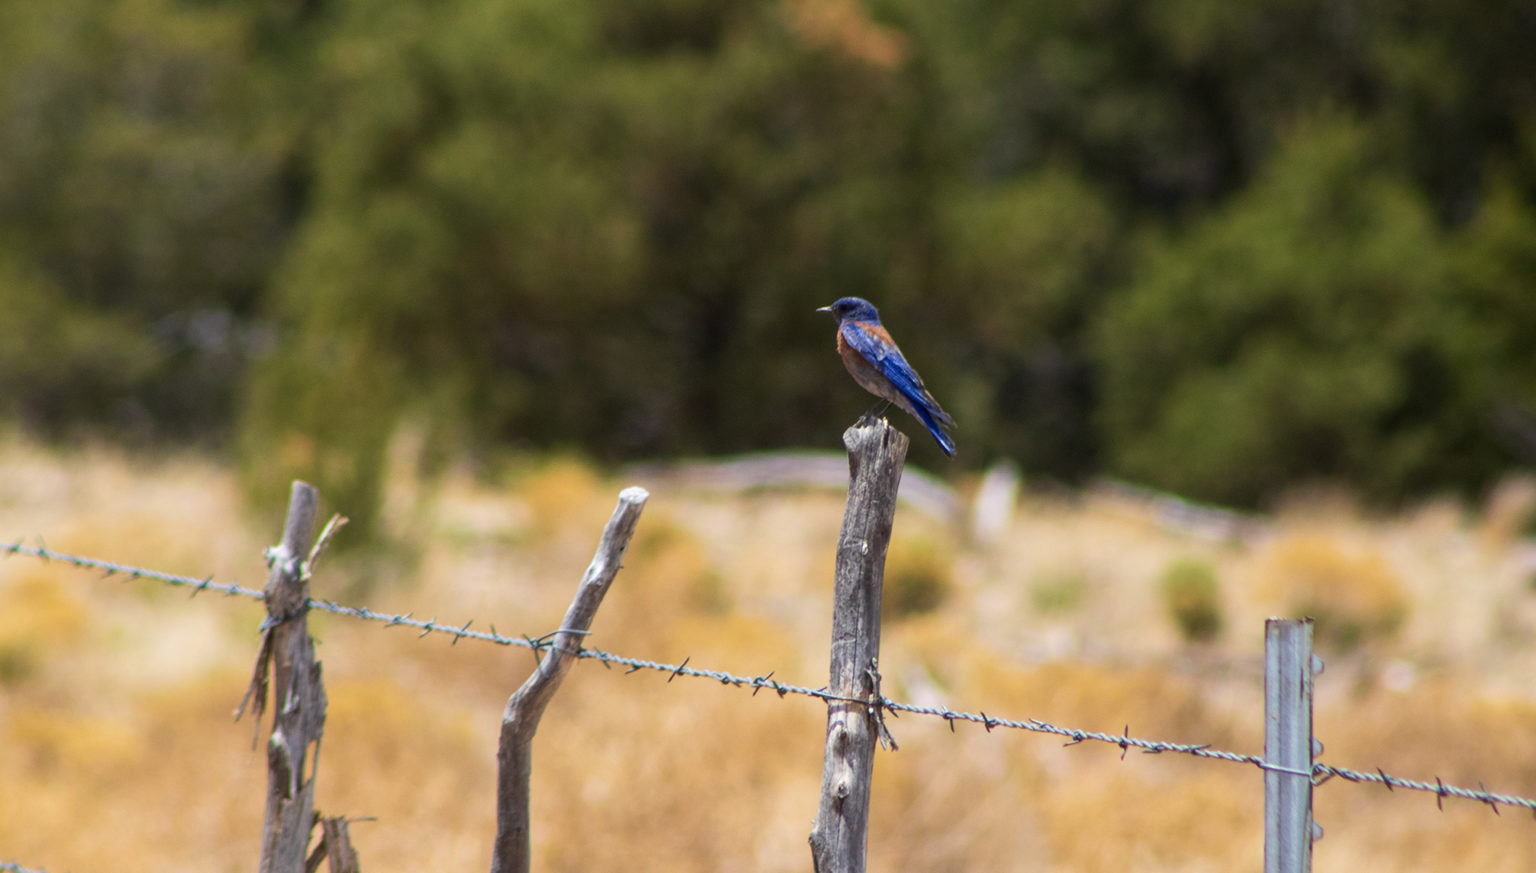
<point>1300,332</point>
<point>1220,247</point>
<point>137,214</point>
<point>1494,271</point>
<point>606,226</point>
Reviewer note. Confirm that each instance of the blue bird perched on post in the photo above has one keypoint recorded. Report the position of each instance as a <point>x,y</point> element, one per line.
<point>875,362</point>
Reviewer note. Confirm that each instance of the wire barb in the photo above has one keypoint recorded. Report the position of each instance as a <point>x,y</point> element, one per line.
<point>874,706</point>
<point>679,670</point>
<point>760,682</point>
<point>1488,799</point>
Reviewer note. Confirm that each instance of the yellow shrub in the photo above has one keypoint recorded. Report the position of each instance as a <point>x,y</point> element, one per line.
<point>561,494</point>
<point>1164,819</point>
<point>41,614</point>
<point>666,563</point>
<point>918,577</point>
<point>1354,595</point>
<point>67,743</point>
<point>1509,514</point>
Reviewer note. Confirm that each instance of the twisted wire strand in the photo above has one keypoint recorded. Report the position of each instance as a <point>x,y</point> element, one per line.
<point>1319,773</point>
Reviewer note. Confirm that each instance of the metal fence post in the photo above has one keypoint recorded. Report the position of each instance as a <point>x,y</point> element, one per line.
<point>1288,745</point>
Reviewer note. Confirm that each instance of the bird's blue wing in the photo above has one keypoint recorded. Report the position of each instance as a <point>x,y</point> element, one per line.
<point>874,344</point>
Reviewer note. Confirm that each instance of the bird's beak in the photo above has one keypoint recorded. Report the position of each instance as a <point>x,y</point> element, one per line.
<point>825,309</point>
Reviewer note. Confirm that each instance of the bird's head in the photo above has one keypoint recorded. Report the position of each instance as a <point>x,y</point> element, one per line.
<point>853,309</point>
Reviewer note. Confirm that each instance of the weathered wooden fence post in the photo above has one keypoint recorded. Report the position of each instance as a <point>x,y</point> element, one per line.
<point>876,453</point>
<point>520,720</point>
<point>1288,672</point>
<point>300,716</point>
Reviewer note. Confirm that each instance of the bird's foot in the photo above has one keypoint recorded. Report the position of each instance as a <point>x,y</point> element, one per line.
<point>874,413</point>
<point>869,418</point>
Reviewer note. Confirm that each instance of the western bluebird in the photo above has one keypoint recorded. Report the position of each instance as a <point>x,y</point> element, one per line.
<point>876,364</point>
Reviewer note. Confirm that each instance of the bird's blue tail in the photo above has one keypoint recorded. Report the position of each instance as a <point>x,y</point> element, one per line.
<point>943,439</point>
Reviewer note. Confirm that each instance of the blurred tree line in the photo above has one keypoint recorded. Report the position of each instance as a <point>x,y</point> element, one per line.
<point>1214,247</point>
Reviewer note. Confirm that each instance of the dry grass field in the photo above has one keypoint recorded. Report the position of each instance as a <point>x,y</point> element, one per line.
<point>118,751</point>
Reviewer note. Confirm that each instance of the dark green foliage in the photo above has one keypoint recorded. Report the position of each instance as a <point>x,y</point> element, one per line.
<point>918,577</point>
<point>1493,269</point>
<point>138,216</point>
<point>1303,330</point>
<point>1220,248</point>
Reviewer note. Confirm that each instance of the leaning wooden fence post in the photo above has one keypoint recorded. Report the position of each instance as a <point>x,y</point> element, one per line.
<point>514,758</point>
<point>300,716</point>
<point>1288,672</point>
<point>876,453</point>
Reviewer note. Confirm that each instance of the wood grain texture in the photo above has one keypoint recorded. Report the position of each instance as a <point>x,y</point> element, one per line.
<point>876,454</point>
<point>299,716</point>
<point>520,720</point>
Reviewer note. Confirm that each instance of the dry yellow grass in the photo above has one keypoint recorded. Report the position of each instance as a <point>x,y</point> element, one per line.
<point>117,750</point>
<point>1353,594</point>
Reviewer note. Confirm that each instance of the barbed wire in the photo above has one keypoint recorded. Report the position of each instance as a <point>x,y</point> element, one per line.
<point>1319,774</point>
